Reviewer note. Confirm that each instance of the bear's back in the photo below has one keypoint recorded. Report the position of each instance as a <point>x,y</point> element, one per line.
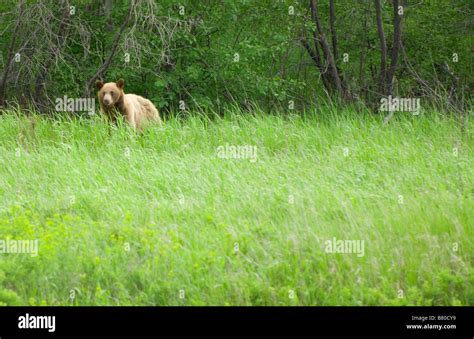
<point>143,109</point>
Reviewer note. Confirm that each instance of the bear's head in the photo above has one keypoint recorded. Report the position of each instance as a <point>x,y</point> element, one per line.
<point>110,93</point>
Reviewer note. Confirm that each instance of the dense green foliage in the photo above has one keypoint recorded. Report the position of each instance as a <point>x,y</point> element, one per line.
<point>127,219</point>
<point>212,53</point>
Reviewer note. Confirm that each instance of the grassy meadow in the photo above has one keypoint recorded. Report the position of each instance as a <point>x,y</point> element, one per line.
<point>161,219</point>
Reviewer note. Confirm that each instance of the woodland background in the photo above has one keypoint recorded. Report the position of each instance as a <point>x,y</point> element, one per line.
<point>274,54</point>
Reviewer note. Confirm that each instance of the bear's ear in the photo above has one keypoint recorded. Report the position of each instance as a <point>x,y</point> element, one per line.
<point>120,83</point>
<point>99,84</point>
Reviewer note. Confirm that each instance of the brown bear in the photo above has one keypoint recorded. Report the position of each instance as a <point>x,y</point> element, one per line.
<point>136,109</point>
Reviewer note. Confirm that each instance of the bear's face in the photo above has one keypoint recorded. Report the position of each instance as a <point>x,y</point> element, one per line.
<point>110,93</point>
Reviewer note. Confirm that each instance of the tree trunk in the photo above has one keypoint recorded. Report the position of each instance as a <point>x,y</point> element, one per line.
<point>3,81</point>
<point>336,80</point>
<point>383,47</point>
<point>397,40</point>
<point>314,54</point>
<point>364,48</point>
<point>332,25</point>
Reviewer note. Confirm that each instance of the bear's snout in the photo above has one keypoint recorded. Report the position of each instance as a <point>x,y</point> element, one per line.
<point>107,99</point>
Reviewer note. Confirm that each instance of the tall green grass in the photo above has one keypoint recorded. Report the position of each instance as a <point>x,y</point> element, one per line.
<point>159,219</point>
